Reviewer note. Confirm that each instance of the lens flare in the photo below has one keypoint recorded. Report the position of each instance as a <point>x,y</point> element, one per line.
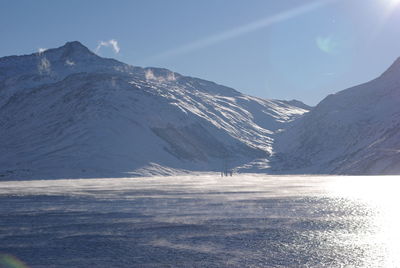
<point>241,30</point>
<point>8,261</point>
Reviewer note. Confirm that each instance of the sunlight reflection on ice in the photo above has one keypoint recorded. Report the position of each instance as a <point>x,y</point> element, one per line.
<point>334,221</point>
<point>382,194</point>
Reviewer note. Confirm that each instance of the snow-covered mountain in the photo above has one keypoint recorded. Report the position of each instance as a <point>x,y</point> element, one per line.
<point>355,131</point>
<point>67,112</point>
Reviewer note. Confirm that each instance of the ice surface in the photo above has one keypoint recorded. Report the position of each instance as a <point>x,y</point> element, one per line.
<point>202,221</point>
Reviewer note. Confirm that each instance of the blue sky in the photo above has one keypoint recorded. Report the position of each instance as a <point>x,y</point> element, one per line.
<point>286,49</point>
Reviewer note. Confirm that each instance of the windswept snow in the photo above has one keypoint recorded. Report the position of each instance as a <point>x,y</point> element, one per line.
<point>355,131</point>
<point>67,112</point>
<point>202,221</point>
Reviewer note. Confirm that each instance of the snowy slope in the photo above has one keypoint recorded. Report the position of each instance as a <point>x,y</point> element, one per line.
<point>355,131</point>
<point>67,112</point>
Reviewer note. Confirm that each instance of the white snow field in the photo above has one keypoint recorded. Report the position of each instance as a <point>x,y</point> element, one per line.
<point>103,118</point>
<point>355,131</point>
<point>202,220</point>
<point>68,113</point>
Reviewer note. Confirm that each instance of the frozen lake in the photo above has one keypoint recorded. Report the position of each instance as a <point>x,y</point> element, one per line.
<point>202,221</point>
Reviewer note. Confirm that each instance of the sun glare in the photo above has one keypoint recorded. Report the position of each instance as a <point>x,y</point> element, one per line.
<point>393,3</point>
<point>381,195</point>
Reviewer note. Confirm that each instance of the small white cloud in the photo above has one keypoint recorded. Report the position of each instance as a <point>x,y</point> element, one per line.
<point>149,75</point>
<point>110,43</point>
<point>69,63</point>
<point>44,66</point>
<point>114,45</point>
<point>41,50</point>
<point>171,76</point>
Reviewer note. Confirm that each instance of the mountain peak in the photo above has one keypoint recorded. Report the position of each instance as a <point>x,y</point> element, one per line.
<point>70,58</point>
<point>74,44</point>
<point>394,68</point>
<point>70,50</point>
<point>74,47</point>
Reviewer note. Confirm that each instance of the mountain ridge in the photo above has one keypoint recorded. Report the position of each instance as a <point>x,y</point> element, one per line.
<point>354,131</point>
<point>69,113</point>
<point>99,117</point>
